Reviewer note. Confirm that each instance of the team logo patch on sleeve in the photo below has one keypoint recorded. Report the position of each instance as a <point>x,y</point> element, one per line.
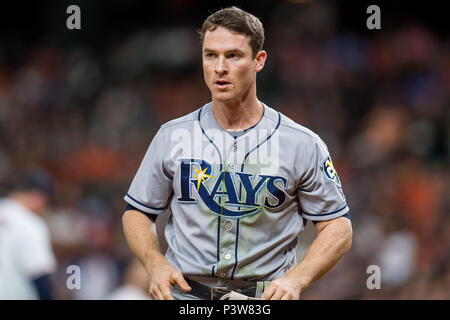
<point>330,171</point>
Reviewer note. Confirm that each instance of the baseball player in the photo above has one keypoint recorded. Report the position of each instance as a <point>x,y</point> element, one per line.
<point>26,256</point>
<point>239,179</point>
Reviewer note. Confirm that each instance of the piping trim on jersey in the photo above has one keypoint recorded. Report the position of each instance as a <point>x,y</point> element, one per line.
<point>324,214</point>
<point>267,139</point>
<point>218,238</point>
<point>144,205</point>
<point>220,169</point>
<point>236,249</point>
<point>209,139</point>
<point>242,169</point>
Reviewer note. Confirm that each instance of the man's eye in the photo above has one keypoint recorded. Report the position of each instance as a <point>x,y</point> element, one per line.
<point>209,55</point>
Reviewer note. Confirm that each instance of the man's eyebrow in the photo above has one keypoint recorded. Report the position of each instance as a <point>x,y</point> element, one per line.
<point>227,51</point>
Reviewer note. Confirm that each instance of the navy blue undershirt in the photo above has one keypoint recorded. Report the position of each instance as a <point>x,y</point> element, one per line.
<point>43,286</point>
<point>151,216</point>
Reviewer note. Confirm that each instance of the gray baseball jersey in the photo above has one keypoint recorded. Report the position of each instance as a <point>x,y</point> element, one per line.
<point>237,203</point>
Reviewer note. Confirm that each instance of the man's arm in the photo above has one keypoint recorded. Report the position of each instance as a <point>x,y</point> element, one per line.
<point>140,234</point>
<point>334,239</point>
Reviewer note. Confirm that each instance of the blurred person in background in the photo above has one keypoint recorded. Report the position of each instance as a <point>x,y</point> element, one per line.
<point>26,256</point>
<point>100,268</point>
<point>135,283</point>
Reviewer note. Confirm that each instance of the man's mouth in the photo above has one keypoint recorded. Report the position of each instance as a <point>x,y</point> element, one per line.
<point>221,84</point>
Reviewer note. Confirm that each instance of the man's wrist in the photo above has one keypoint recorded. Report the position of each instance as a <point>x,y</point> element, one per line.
<point>153,260</point>
<point>299,278</point>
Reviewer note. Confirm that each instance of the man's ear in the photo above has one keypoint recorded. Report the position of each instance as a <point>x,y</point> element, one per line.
<point>260,59</point>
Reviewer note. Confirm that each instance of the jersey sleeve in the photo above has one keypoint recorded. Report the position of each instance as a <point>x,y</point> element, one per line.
<point>151,188</point>
<point>36,254</point>
<point>319,189</point>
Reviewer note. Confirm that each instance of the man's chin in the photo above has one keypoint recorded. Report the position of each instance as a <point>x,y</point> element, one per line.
<point>223,97</point>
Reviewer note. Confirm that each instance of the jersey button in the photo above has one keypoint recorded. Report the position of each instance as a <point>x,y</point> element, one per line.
<point>227,256</point>
<point>223,275</point>
<point>228,225</point>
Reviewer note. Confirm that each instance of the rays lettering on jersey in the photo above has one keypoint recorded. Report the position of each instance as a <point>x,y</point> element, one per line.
<point>222,196</point>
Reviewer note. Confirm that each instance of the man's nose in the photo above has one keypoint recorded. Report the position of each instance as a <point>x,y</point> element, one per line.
<point>221,66</point>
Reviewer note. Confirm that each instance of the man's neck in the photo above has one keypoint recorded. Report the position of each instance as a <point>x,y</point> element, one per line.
<point>24,200</point>
<point>238,116</point>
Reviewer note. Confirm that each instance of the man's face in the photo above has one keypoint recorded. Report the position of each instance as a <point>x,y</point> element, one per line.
<point>39,201</point>
<point>228,66</point>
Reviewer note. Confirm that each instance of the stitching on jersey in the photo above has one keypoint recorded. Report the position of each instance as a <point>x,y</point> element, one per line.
<point>190,117</point>
<point>301,129</point>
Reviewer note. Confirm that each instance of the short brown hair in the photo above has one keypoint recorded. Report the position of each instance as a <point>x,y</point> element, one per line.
<point>239,21</point>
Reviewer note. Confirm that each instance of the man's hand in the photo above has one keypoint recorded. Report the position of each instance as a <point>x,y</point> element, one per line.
<point>162,276</point>
<point>284,288</point>
<point>334,238</point>
<point>141,236</point>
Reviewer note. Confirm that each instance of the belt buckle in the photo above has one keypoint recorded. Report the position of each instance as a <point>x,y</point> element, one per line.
<point>218,292</point>
<point>224,293</point>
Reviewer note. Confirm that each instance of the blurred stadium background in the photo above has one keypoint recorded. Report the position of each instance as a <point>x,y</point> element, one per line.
<point>85,105</point>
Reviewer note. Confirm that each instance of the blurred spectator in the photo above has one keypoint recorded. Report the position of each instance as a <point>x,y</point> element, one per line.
<point>26,256</point>
<point>135,284</point>
<point>99,275</point>
<point>397,258</point>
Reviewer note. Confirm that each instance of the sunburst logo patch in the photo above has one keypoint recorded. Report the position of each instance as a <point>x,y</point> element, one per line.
<point>330,171</point>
